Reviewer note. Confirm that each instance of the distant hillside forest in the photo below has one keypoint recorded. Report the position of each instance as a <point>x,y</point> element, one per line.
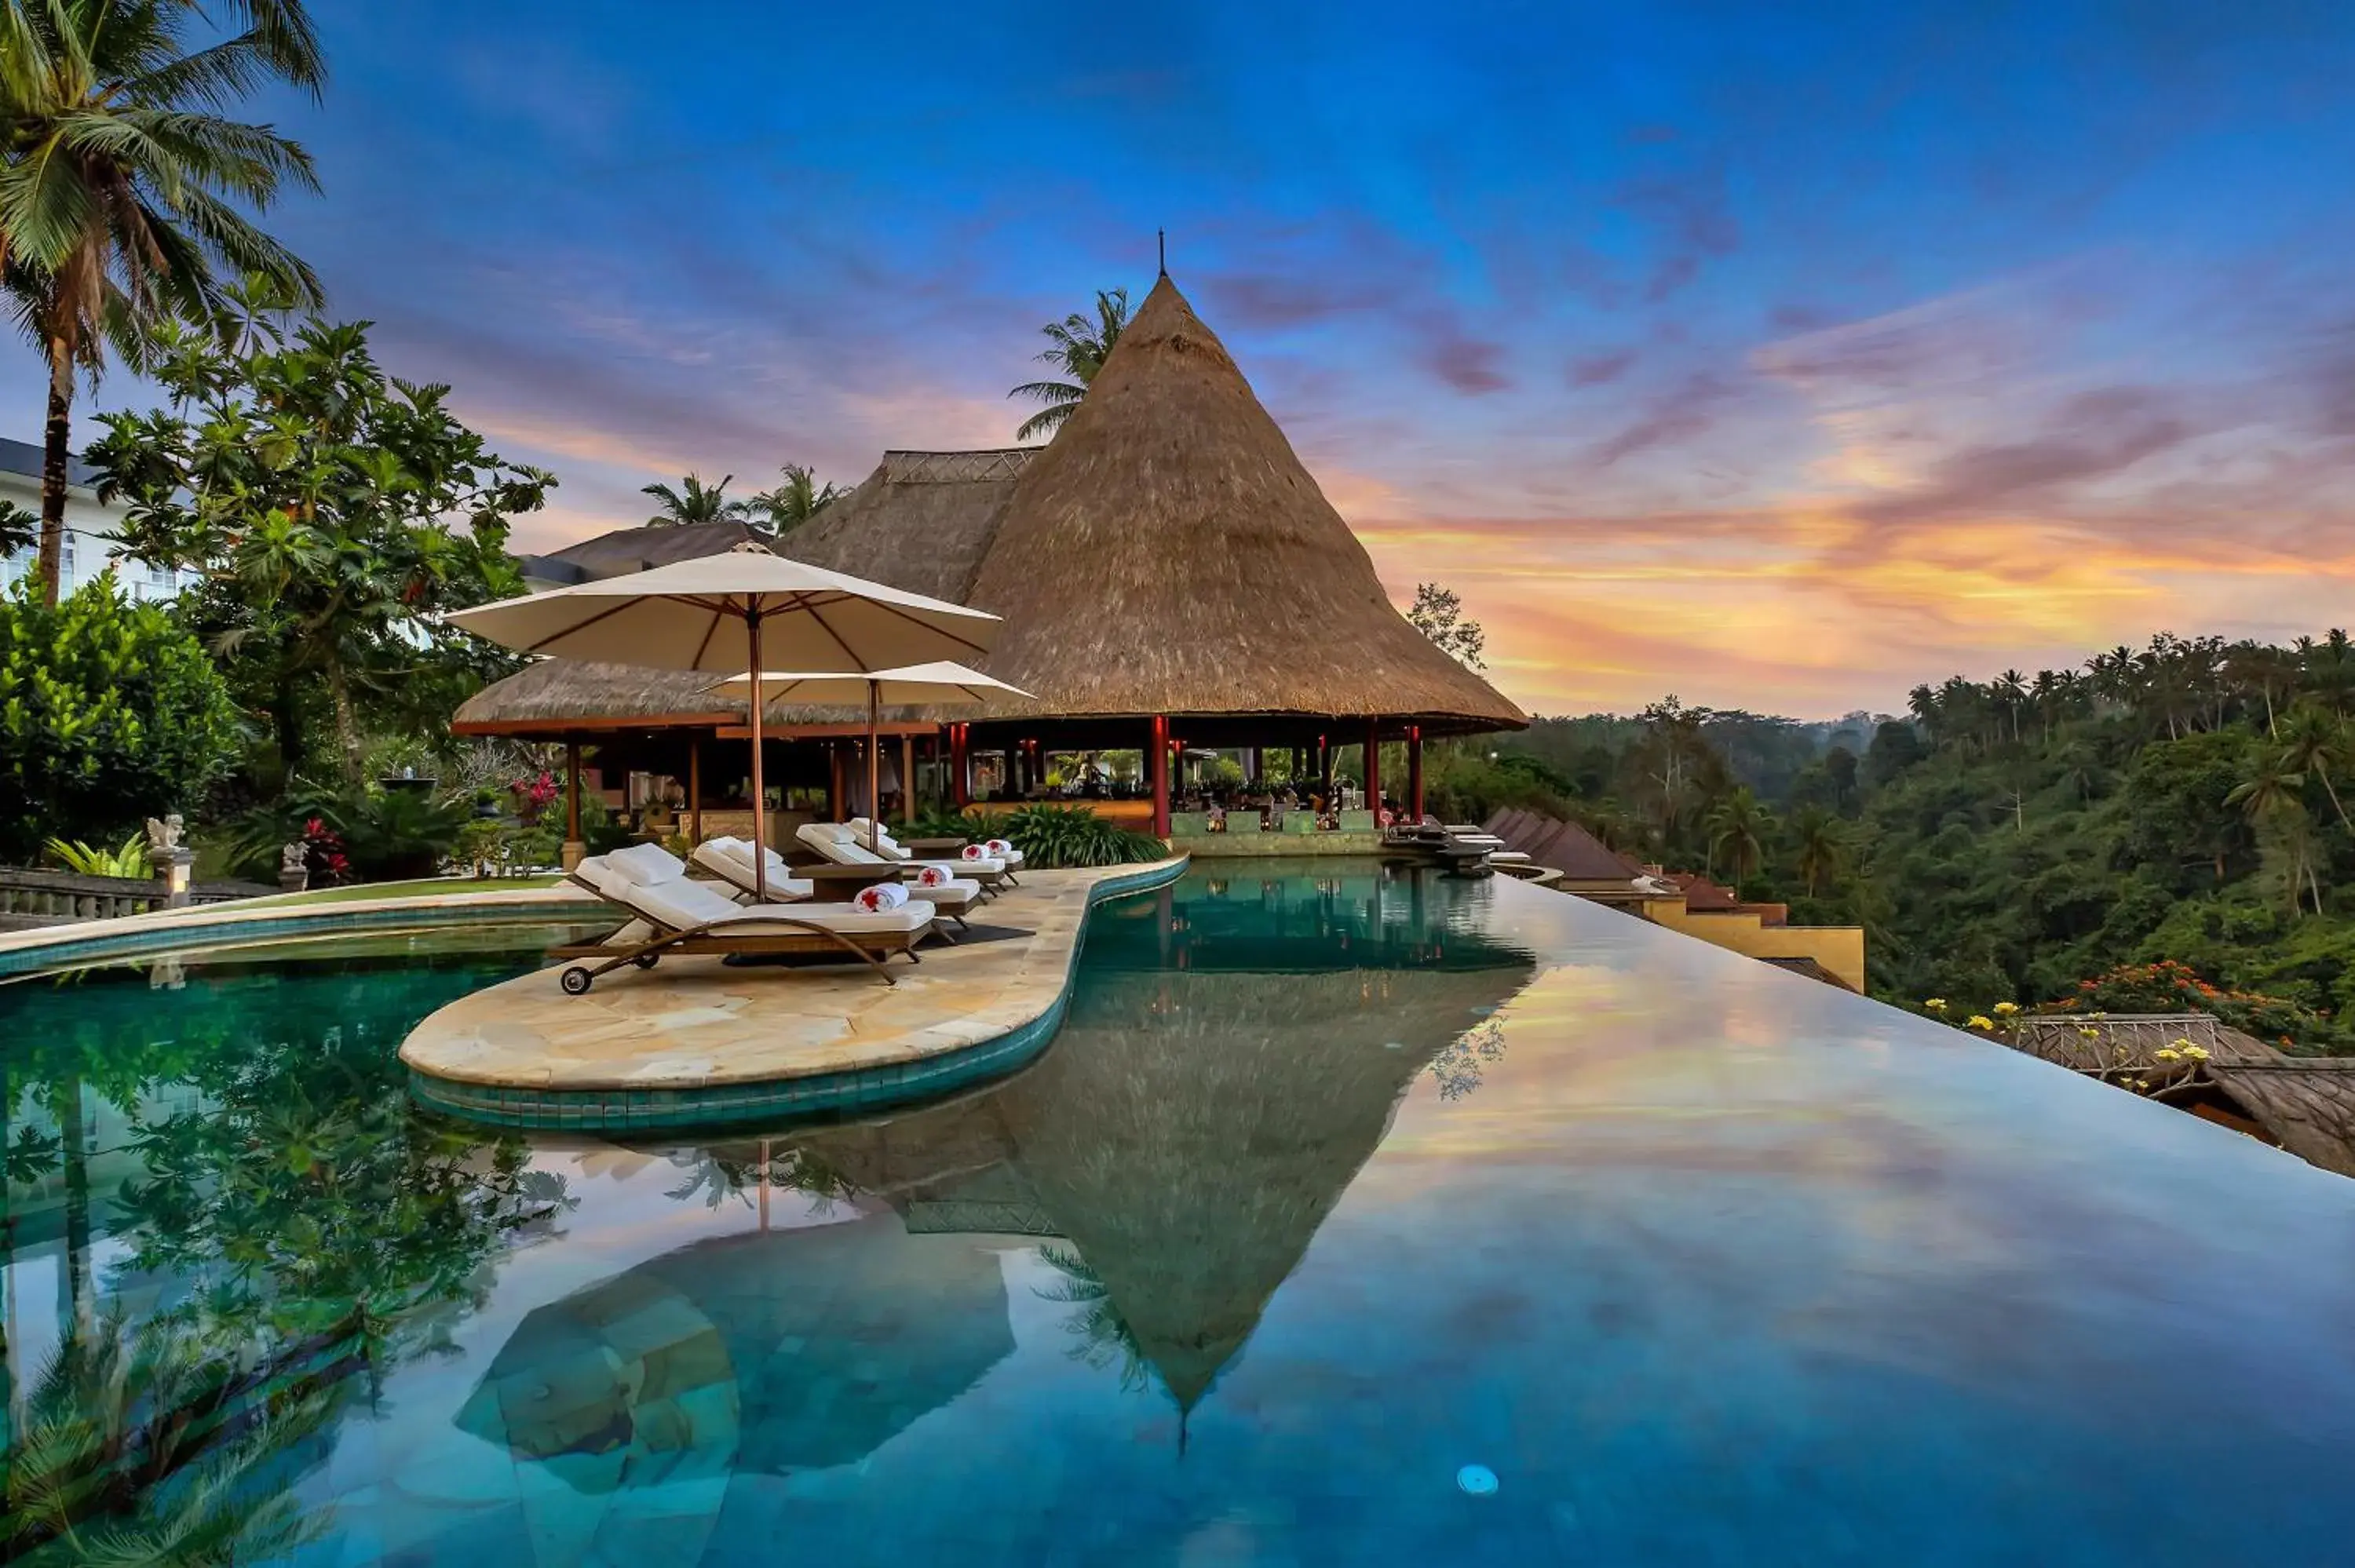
<point>2017,838</point>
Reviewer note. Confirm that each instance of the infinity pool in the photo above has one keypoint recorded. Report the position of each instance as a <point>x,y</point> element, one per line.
<point>1355,1218</point>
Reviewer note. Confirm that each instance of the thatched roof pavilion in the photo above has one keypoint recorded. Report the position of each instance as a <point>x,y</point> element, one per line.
<point>1166,568</point>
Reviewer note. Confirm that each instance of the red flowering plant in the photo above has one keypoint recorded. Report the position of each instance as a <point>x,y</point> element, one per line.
<point>2168,986</point>
<point>323,854</point>
<point>533,796</point>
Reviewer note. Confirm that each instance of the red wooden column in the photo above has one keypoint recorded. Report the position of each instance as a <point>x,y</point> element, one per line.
<point>960,767</point>
<point>574,849</point>
<point>1414,771</point>
<point>1159,764</point>
<point>907,780</point>
<point>1374,764</point>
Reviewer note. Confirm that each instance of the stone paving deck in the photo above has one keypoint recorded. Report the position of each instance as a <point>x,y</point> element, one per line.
<point>698,1039</point>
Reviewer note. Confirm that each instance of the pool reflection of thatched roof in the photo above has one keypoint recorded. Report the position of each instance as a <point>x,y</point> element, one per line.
<point>1167,553</point>
<point>762,1353</point>
<point>1186,1149</point>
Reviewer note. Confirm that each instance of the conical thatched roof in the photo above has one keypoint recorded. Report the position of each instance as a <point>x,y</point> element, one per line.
<point>1167,552</point>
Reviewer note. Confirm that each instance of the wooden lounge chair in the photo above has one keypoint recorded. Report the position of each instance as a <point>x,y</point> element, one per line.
<point>683,915</point>
<point>731,860</point>
<point>845,845</point>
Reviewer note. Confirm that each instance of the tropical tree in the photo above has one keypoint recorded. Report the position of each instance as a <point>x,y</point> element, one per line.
<point>693,501</point>
<point>1438,614</point>
<point>2315,744</point>
<point>1078,347</point>
<point>123,191</point>
<point>331,513</point>
<point>1819,847</point>
<point>1737,828</point>
<point>796,499</point>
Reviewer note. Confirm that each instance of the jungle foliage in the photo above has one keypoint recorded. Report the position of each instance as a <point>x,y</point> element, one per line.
<point>2014,839</point>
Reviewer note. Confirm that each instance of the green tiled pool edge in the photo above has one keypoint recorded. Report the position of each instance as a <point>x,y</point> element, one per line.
<point>871,1088</point>
<point>100,946</point>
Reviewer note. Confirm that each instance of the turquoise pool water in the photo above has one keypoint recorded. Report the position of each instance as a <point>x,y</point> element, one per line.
<point>1353,1217</point>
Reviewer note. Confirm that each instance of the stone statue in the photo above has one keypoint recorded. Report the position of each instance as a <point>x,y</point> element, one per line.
<point>164,837</point>
<point>294,866</point>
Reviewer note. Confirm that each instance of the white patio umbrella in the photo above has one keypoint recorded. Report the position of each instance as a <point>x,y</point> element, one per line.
<point>938,684</point>
<point>746,610</point>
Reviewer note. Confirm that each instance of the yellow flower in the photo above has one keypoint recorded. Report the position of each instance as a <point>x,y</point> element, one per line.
<point>1979,1021</point>
<point>2006,1009</point>
<point>2089,1032</point>
<point>2196,1053</point>
<point>2168,1055</point>
<point>1936,1004</point>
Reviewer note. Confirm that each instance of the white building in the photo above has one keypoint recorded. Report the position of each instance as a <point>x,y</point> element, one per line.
<point>91,529</point>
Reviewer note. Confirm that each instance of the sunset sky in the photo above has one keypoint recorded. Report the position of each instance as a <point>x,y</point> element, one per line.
<point>1780,356</point>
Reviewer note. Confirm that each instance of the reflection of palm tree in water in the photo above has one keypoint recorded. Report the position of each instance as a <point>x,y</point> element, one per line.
<point>738,1171</point>
<point>153,1446</point>
<point>1103,1335</point>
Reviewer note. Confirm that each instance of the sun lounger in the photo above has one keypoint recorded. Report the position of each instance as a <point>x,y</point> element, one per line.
<point>1005,861</point>
<point>845,845</point>
<point>731,860</point>
<point>683,916</point>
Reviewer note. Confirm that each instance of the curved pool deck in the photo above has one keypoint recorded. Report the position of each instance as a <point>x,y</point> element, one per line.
<point>699,1043</point>
<point>259,921</point>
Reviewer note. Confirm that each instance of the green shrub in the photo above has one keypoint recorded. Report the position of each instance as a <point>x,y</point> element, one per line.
<point>129,860</point>
<point>109,714</point>
<point>2168,986</point>
<point>1051,836</point>
<point>381,835</point>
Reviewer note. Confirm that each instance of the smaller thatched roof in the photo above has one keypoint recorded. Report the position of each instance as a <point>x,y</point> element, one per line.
<point>922,521</point>
<point>637,549</point>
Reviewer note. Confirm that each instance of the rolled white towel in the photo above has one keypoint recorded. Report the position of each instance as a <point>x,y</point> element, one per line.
<point>934,876</point>
<point>995,848</point>
<point>882,896</point>
<point>974,851</point>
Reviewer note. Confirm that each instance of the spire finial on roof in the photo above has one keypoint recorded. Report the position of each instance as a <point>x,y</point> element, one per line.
<point>1161,239</point>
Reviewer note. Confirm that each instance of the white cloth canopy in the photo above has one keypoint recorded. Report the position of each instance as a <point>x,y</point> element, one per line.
<point>939,684</point>
<point>747,609</point>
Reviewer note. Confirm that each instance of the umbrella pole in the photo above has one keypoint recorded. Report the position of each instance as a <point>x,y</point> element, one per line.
<point>759,794</point>
<point>874,769</point>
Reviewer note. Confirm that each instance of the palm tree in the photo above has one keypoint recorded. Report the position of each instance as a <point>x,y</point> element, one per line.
<point>692,501</point>
<point>796,498</point>
<point>1822,848</point>
<point>1080,348</point>
<point>2314,742</point>
<point>120,190</point>
<point>2273,790</point>
<point>2012,696</point>
<point>1737,827</point>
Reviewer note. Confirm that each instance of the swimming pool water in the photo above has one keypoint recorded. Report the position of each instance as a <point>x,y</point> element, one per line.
<point>1354,1216</point>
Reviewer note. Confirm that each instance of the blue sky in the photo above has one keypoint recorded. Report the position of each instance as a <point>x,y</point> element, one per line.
<point>1779,356</point>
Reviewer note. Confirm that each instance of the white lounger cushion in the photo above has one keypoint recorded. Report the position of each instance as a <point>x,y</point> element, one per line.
<point>644,865</point>
<point>842,843</point>
<point>679,903</point>
<point>734,856</point>
<point>894,850</point>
